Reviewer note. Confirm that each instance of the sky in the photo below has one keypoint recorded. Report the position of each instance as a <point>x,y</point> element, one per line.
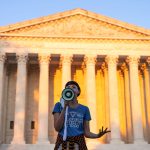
<point>136,12</point>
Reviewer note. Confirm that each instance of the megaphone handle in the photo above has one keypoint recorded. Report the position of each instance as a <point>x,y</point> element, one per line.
<point>65,125</point>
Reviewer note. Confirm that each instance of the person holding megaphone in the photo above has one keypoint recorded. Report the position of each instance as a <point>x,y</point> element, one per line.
<point>71,120</point>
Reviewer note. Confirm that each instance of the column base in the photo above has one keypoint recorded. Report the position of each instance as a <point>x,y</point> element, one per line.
<point>92,143</point>
<point>43,141</point>
<point>116,141</point>
<point>18,141</point>
<point>139,141</point>
<point>0,140</point>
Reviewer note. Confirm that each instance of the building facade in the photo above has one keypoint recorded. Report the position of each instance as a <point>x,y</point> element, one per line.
<point>110,60</point>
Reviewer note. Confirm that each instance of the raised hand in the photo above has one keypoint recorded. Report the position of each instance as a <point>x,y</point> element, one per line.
<point>103,132</point>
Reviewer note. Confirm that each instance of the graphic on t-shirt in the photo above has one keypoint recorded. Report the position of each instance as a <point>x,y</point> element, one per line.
<point>75,119</point>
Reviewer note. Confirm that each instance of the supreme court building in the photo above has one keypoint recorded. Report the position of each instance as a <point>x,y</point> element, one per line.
<point>109,59</point>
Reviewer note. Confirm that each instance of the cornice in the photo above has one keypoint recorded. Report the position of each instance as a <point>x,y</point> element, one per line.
<point>77,11</point>
<point>5,35</point>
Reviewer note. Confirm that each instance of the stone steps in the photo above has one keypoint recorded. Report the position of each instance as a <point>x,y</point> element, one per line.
<point>95,147</point>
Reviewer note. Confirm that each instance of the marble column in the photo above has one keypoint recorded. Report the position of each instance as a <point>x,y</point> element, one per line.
<point>142,70</point>
<point>19,123</point>
<point>113,98</point>
<point>122,112</point>
<point>66,68</point>
<point>90,61</point>
<point>44,60</point>
<point>2,61</point>
<point>91,89</point>
<point>148,103</point>
<point>135,98</point>
<point>105,70</point>
<point>147,93</point>
<point>125,70</point>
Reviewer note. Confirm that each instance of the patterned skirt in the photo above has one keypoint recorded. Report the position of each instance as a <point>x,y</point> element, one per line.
<point>71,143</point>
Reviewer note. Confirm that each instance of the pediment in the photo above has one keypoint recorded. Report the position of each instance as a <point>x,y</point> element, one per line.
<point>76,25</point>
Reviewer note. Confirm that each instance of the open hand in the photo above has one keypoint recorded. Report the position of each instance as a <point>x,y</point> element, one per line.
<point>103,132</point>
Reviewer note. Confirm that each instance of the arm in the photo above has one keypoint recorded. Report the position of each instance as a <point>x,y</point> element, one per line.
<point>91,135</point>
<point>59,119</point>
<point>87,132</point>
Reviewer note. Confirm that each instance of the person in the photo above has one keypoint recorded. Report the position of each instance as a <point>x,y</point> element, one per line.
<point>78,118</point>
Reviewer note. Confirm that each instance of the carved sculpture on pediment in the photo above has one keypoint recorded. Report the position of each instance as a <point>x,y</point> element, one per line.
<point>76,25</point>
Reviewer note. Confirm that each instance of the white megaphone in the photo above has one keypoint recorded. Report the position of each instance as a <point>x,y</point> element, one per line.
<point>68,94</point>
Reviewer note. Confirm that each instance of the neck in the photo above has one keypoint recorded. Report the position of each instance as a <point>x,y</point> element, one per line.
<point>73,103</point>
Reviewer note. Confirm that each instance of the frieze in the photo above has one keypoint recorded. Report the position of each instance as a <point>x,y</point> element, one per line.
<point>43,42</point>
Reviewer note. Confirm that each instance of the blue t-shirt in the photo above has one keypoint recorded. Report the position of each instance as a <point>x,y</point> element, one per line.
<point>75,119</point>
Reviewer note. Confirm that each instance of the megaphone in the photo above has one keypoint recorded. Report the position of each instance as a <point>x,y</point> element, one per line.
<point>68,94</point>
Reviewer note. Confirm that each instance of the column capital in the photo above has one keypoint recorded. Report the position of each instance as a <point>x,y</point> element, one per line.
<point>124,67</point>
<point>111,59</point>
<point>66,58</point>
<point>22,58</point>
<point>120,73</point>
<point>148,61</point>
<point>90,59</point>
<point>143,68</point>
<point>83,66</point>
<point>133,59</point>
<point>104,66</point>
<point>44,58</point>
<point>2,57</point>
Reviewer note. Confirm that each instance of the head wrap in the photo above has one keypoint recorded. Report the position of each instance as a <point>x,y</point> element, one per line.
<point>74,83</point>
